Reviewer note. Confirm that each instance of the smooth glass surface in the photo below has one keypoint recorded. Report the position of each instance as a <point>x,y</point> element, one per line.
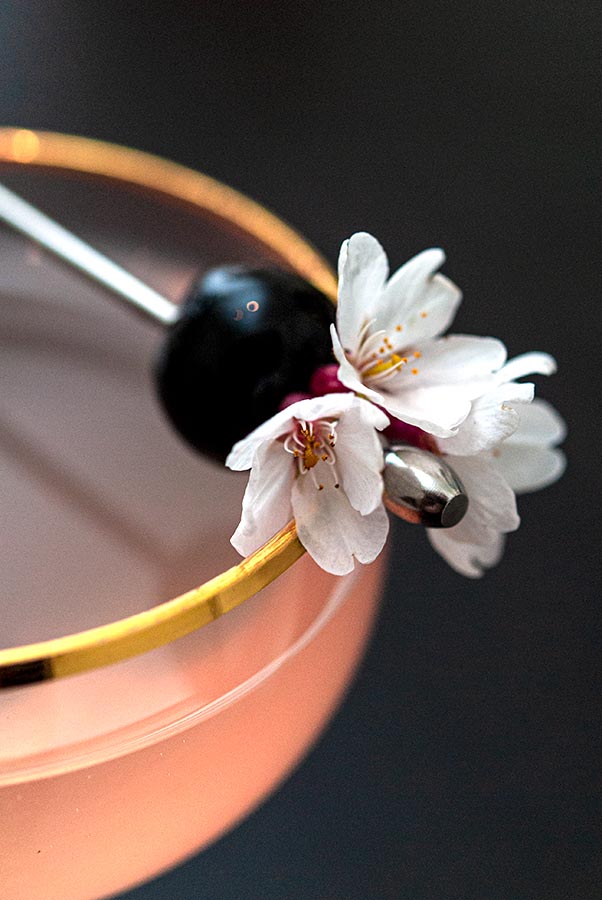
<point>108,777</point>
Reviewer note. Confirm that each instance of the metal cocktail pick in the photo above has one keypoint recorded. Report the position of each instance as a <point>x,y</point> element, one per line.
<point>37,226</point>
<point>419,486</point>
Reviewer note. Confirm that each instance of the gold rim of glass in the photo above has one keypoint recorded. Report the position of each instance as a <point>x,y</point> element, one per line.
<point>172,619</point>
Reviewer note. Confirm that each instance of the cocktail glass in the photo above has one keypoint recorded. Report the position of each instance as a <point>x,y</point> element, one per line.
<point>135,729</point>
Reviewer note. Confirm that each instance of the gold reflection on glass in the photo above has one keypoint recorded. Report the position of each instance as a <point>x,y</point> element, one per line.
<point>24,145</point>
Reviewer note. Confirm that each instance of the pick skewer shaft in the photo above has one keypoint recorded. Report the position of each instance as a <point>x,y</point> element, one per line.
<point>39,227</point>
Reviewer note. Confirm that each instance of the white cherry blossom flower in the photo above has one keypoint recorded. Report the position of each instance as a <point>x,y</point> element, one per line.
<point>320,462</point>
<point>507,445</point>
<point>387,342</point>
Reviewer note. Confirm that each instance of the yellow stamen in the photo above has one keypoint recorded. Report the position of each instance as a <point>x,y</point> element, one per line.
<point>384,365</point>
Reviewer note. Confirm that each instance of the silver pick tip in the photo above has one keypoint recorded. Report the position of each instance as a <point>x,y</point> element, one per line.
<point>421,487</point>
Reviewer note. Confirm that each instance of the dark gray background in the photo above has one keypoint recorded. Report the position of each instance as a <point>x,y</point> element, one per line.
<point>463,764</point>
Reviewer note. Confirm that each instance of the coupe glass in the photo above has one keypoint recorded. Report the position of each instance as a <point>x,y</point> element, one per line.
<point>130,736</point>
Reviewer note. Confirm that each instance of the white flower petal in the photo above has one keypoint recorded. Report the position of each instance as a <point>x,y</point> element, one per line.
<point>363,270</point>
<point>539,424</point>
<point>347,374</point>
<point>418,302</point>
<point>469,559</point>
<point>460,358</point>
<point>493,418</point>
<point>266,505</point>
<point>436,393</point>
<point>529,468</point>
<point>477,542</point>
<point>527,364</point>
<point>324,407</point>
<point>332,531</point>
<point>359,457</point>
<point>370,414</point>
<point>406,285</point>
<point>527,458</point>
<point>438,410</point>
<point>491,501</point>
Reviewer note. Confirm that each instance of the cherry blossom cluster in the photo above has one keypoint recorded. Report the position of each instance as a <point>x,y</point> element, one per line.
<point>320,459</point>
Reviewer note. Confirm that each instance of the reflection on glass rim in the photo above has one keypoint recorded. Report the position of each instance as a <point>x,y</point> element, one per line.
<point>181,615</point>
<point>336,598</point>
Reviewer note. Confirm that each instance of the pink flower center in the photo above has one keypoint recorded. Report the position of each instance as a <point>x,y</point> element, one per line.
<point>312,446</point>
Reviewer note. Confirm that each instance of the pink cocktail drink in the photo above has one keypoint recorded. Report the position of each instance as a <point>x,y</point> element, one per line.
<point>87,818</point>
